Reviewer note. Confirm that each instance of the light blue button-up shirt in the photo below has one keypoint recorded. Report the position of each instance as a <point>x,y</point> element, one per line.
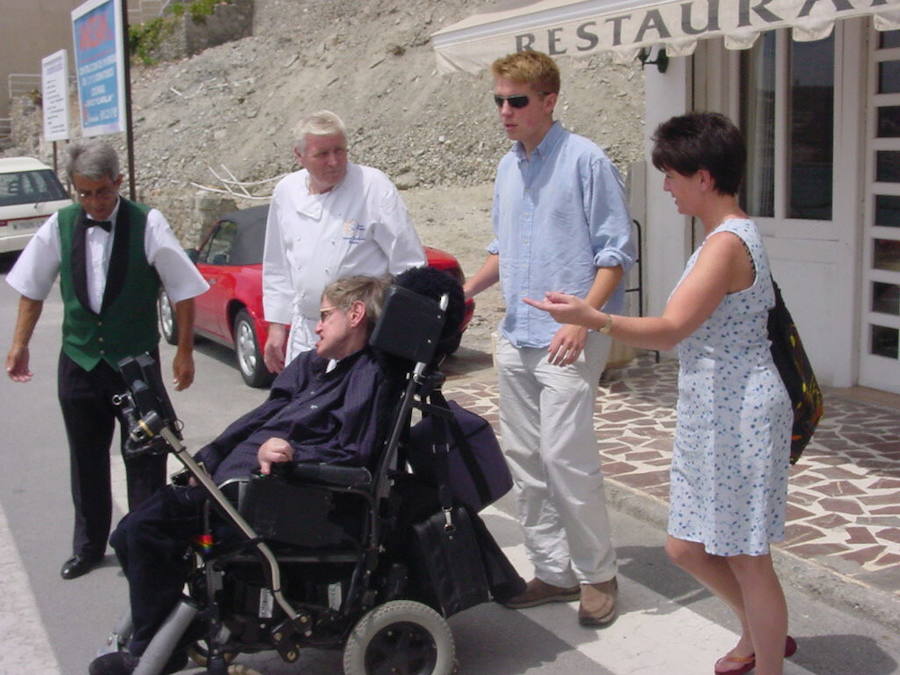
<point>558,215</point>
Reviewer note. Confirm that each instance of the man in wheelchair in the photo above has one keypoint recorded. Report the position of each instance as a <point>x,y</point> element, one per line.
<point>321,408</point>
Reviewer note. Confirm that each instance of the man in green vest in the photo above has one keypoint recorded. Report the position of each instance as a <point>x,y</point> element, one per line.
<point>111,256</point>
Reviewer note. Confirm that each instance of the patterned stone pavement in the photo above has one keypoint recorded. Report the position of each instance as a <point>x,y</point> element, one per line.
<point>844,493</point>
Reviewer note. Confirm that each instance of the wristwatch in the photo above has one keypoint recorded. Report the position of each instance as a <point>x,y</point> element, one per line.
<point>607,327</point>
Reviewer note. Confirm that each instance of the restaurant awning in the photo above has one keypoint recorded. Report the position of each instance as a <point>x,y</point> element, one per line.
<point>567,27</point>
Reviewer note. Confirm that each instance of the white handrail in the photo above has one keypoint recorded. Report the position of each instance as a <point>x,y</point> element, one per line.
<point>22,83</point>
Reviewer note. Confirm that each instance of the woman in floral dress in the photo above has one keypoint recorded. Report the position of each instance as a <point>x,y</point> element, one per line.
<point>730,460</point>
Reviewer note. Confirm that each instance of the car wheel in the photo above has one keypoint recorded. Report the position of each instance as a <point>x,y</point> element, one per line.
<point>249,356</point>
<point>453,345</point>
<point>167,325</point>
<point>400,637</point>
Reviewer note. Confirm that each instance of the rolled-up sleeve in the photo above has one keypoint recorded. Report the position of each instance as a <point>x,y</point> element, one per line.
<point>607,216</point>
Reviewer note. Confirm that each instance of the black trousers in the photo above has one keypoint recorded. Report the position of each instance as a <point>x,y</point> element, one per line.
<point>89,416</point>
<point>150,543</point>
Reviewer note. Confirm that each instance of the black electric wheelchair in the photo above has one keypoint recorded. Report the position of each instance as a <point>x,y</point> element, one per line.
<point>371,560</point>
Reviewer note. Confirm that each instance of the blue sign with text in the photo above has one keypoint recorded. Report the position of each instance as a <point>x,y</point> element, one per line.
<point>96,30</point>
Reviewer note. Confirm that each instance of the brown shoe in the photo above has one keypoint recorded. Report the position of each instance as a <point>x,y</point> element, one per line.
<point>598,603</point>
<point>538,592</point>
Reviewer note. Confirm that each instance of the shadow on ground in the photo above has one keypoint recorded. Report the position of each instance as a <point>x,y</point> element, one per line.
<point>466,362</point>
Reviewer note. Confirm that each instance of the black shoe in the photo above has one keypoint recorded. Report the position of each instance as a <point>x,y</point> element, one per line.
<point>124,663</point>
<point>78,565</point>
<point>114,663</point>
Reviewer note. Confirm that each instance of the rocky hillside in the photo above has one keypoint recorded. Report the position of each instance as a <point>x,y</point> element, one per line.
<point>371,62</point>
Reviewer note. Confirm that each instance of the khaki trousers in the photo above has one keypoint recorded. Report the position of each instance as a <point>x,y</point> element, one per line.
<point>546,424</point>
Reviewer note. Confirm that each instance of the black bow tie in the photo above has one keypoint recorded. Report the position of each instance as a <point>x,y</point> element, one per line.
<point>105,224</point>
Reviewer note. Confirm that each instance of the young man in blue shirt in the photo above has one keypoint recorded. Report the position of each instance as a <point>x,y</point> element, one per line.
<point>560,222</point>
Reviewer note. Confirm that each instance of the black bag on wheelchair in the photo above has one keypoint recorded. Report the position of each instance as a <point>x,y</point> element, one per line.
<point>453,555</point>
<point>446,557</point>
<point>478,473</point>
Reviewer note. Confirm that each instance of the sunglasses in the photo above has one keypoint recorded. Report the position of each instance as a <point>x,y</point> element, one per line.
<point>518,101</point>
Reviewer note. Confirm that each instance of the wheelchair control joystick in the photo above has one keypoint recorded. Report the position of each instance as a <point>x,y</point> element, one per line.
<point>143,429</point>
<point>146,408</point>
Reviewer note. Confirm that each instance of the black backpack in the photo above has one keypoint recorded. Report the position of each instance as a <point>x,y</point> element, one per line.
<point>796,373</point>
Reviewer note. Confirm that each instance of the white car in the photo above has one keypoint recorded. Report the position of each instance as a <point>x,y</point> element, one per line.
<point>29,193</point>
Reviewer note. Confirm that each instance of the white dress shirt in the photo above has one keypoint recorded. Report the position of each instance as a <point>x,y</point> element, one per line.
<point>36,269</point>
<point>358,227</point>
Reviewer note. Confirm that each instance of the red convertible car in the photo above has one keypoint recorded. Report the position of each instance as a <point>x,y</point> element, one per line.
<point>231,311</point>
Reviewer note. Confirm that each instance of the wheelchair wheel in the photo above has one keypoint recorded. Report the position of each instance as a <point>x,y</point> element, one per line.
<point>400,637</point>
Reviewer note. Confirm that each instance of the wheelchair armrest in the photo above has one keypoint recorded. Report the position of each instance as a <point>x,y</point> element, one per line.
<point>329,474</point>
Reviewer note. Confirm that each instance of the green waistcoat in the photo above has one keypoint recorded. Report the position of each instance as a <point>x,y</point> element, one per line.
<point>127,323</point>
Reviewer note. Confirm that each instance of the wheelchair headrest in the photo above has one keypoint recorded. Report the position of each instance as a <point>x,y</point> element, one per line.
<point>412,325</point>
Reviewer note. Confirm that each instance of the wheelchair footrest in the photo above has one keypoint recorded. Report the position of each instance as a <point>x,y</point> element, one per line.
<point>289,634</point>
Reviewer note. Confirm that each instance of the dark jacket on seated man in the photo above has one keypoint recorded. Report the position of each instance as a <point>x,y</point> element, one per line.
<point>326,416</point>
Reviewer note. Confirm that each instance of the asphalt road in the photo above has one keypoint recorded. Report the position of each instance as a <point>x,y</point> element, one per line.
<point>668,624</point>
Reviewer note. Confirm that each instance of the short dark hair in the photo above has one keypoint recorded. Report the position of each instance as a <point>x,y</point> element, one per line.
<point>702,140</point>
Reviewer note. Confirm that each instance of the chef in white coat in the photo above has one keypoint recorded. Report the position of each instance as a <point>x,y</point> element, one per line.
<point>331,219</point>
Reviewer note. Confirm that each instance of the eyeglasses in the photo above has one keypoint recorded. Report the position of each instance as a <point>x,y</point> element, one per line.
<point>100,193</point>
<point>517,101</point>
<point>325,312</point>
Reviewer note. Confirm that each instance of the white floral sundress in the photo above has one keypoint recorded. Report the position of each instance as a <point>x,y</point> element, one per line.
<point>732,439</point>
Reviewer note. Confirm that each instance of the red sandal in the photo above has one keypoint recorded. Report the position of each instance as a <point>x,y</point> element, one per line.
<point>748,663</point>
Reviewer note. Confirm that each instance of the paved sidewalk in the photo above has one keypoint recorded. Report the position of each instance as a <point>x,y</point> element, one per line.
<point>843,522</point>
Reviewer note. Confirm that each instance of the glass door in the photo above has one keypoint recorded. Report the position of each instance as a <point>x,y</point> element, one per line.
<point>880,324</point>
<point>787,114</point>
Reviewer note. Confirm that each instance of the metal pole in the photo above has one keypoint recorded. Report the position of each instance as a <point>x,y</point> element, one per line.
<point>129,132</point>
<point>272,570</point>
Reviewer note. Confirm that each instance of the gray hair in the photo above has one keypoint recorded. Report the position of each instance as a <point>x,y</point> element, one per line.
<point>321,123</point>
<point>92,159</point>
<point>345,291</point>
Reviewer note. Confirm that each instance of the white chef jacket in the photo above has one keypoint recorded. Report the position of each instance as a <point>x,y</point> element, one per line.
<point>358,227</point>
<point>36,269</point>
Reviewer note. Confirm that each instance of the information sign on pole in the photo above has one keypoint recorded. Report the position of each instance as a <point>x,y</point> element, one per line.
<point>99,66</point>
<point>55,96</point>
